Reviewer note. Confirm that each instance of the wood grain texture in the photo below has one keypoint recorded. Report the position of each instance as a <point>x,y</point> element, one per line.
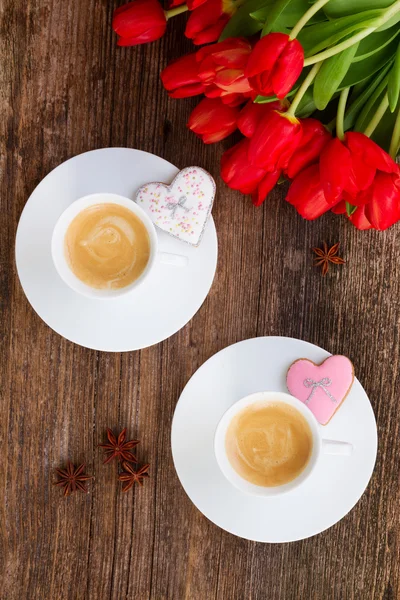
<point>66,88</point>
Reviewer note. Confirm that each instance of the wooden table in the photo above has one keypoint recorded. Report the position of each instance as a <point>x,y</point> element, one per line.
<point>66,88</point>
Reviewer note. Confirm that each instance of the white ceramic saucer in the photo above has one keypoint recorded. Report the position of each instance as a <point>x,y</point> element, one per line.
<point>159,308</point>
<point>326,497</point>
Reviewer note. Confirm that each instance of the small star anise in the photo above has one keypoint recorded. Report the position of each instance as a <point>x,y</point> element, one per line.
<point>72,478</point>
<point>131,476</point>
<point>118,448</point>
<point>327,255</point>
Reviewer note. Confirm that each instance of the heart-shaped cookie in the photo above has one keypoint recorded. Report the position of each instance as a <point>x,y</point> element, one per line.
<point>181,209</point>
<point>321,387</point>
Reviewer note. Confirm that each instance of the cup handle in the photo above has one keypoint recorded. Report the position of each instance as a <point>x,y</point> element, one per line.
<point>337,448</point>
<point>175,260</point>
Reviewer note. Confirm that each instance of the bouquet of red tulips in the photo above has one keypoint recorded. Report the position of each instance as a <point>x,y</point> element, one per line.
<point>314,88</point>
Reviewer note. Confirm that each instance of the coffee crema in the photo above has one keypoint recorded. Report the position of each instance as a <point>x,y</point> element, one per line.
<point>269,444</point>
<point>107,246</point>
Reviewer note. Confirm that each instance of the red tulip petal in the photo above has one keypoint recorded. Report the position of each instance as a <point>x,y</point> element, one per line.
<point>203,19</point>
<point>188,91</point>
<point>212,120</point>
<point>307,195</point>
<point>360,220</point>
<point>265,186</point>
<point>191,4</point>
<point>136,18</point>
<point>335,168</point>
<point>181,72</point>
<point>265,53</point>
<point>236,171</point>
<point>339,208</point>
<point>370,153</point>
<point>314,138</point>
<point>151,35</point>
<point>174,3</point>
<point>287,68</point>
<point>210,34</point>
<point>251,115</point>
<point>276,138</point>
<point>232,80</point>
<point>383,209</point>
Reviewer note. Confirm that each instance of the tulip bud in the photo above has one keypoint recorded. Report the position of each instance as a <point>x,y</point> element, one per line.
<point>180,78</point>
<point>212,120</point>
<point>139,22</point>
<point>276,138</point>
<point>275,65</point>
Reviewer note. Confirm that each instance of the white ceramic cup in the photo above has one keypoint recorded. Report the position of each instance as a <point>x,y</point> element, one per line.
<point>320,445</point>
<point>58,246</point>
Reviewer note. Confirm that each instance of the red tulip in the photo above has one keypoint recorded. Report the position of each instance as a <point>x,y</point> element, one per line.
<point>383,203</point>
<point>174,3</point>
<point>275,65</point>
<point>265,186</point>
<point>192,4</point>
<point>139,22</point>
<point>207,21</point>
<point>212,120</point>
<point>221,69</point>
<point>180,78</point>
<point>307,195</point>
<point>251,115</point>
<point>313,139</point>
<point>358,218</point>
<point>349,167</point>
<point>276,138</point>
<point>236,170</point>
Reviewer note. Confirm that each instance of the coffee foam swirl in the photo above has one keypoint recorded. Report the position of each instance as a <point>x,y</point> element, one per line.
<point>107,246</point>
<point>269,444</point>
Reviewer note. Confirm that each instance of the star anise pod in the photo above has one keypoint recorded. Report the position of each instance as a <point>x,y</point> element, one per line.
<point>130,476</point>
<point>71,479</point>
<point>118,448</point>
<point>327,255</point>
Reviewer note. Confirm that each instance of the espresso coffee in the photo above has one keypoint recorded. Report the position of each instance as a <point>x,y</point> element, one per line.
<point>269,444</point>
<point>107,246</point>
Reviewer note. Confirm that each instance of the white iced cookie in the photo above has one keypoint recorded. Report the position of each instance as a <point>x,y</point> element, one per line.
<point>181,209</point>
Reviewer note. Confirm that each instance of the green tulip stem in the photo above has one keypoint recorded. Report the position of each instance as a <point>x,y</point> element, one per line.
<point>340,113</point>
<point>311,60</point>
<point>175,11</point>
<point>395,141</point>
<point>306,17</point>
<point>387,15</point>
<point>380,111</point>
<point>302,89</point>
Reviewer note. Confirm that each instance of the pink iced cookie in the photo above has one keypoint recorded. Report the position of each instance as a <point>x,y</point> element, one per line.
<point>321,387</point>
<point>183,208</point>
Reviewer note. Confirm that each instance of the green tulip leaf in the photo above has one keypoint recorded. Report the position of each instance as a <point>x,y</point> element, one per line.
<point>292,12</point>
<point>383,133</point>
<point>365,68</point>
<point>395,19</point>
<point>331,75</point>
<point>341,8</point>
<point>361,93</point>
<point>375,42</point>
<point>394,82</point>
<point>241,23</point>
<point>316,38</point>
<point>273,16</point>
<point>350,209</point>
<point>370,107</point>
<point>307,105</point>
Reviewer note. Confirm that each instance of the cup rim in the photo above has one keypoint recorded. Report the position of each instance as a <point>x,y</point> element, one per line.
<point>224,464</point>
<point>57,244</point>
